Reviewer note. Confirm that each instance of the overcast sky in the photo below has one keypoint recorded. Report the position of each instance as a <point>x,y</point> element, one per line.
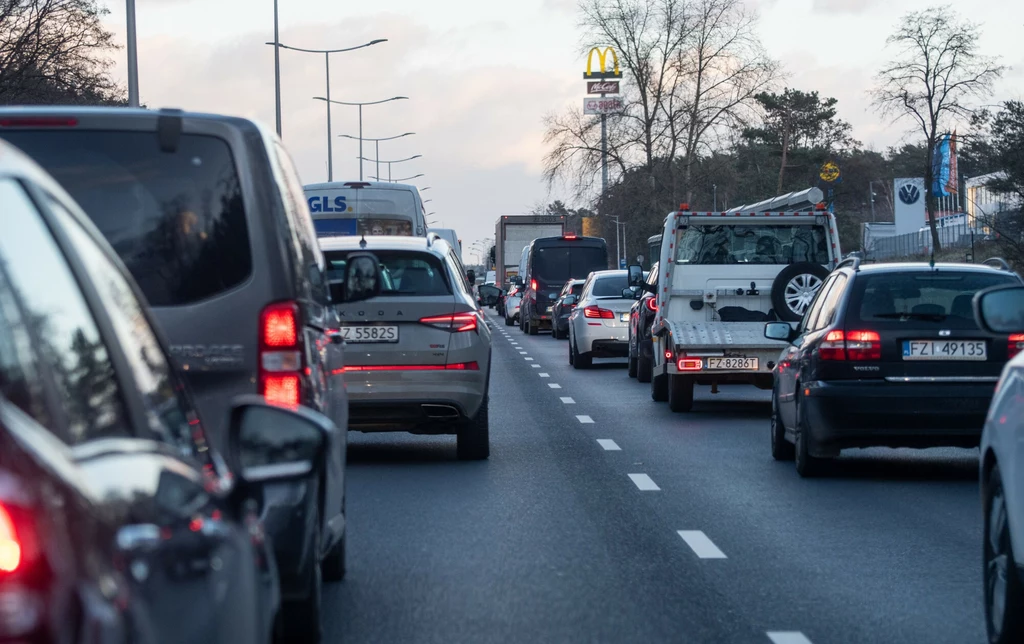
<point>480,75</point>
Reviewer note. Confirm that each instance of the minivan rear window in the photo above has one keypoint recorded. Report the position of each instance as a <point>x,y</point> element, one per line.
<point>753,244</point>
<point>561,263</point>
<point>898,299</point>
<point>176,219</point>
<point>405,273</point>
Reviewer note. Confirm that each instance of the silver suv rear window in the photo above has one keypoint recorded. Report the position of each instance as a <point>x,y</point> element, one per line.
<point>753,244</point>
<point>405,272</point>
<point>176,219</point>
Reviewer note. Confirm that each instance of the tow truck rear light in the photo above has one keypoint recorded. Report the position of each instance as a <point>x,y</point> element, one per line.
<point>281,360</point>
<point>684,207</point>
<point>596,312</point>
<point>851,345</point>
<point>652,305</point>
<point>454,323</point>
<point>690,364</point>
<point>1016,345</point>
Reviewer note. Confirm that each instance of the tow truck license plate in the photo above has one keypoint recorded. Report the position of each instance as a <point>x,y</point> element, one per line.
<point>369,333</point>
<point>732,364</point>
<point>944,350</point>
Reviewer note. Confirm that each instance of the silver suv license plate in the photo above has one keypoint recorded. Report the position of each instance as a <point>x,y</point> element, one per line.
<point>369,333</point>
<point>732,364</point>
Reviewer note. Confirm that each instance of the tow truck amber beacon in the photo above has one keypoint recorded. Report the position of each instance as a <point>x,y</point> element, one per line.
<point>602,60</point>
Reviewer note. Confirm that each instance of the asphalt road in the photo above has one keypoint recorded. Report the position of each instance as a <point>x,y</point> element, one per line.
<point>603,517</point>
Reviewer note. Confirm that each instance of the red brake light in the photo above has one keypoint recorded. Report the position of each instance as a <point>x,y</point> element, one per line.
<point>457,366</point>
<point>833,347</point>
<point>569,236</point>
<point>690,364</point>
<point>282,390</point>
<point>454,323</point>
<point>279,326</point>
<point>533,285</point>
<point>1016,344</point>
<point>10,546</point>
<point>597,312</point>
<point>38,121</point>
<point>652,305</point>
<point>863,345</point>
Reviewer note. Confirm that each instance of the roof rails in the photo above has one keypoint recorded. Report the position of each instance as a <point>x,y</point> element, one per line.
<point>1000,262</point>
<point>853,260</point>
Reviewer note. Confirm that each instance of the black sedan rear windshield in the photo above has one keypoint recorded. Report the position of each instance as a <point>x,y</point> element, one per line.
<point>175,218</point>
<point>928,297</point>
<point>405,272</point>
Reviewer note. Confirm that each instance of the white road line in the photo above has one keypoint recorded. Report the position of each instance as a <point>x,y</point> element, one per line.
<point>528,359</point>
<point>701,545</point>
<point>522,353</point>
<point>535,366</point>
<point>788,637</point>
<point>554,385</point>
<point>568,401</point>
<point>608,445</point>
<point>644,482</point>
<point>587,420</point>
<point>544,375</point>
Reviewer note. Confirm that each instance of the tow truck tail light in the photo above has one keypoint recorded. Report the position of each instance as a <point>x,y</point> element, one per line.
<point>281,359</point>
<point>652,305</point>
<point>596,312</point>
<point>1016,345</point>
<point>454,323</point>
<point>690,364</point>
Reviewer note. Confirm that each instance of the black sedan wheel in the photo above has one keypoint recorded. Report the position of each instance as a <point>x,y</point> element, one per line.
<point>782,449</point>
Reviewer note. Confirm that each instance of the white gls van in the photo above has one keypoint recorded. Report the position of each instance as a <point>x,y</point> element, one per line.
<point>350,208</point>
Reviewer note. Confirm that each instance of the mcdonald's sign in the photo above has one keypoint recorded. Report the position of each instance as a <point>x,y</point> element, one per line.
<point>602,60</point>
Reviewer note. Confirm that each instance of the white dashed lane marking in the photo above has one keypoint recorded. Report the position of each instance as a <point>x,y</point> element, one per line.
<point>554,385</point>
<point>644,482</point>
<point>587,420</point>
<point>544,375</point>
<point>568,401</point>
<point>701,545</point>
<point>788,637</point>
<point>522,353</point>
<point>528,359</point>
<point>535,366</point>
<point>609,445</point>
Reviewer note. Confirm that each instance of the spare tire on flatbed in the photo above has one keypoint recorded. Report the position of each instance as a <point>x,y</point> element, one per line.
<point>795,287</point>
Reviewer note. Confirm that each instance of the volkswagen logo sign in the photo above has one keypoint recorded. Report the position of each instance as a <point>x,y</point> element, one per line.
<point>909,194</point>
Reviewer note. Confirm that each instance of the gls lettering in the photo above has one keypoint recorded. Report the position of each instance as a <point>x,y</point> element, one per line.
<point>323,204</point>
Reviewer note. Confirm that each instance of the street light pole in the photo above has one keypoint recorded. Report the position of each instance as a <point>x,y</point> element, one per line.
<point>360,106</point>
<point>133,56</point>
<point>330,143</point>
<point>277,70</point>
<point>360,138</point>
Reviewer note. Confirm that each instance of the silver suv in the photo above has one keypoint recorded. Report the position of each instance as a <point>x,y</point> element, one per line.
<point>418,356</point>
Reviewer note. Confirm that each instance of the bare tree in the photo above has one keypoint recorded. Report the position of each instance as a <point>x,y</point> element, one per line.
<point>721,68</point>
<point>54,51</point>
<point>936,75</point>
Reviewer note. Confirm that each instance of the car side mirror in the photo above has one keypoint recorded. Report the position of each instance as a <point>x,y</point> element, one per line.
<point>270,443</point>
<point>780,331</point>
<point>570,300</point>
<point>362,280</point>
<point>1000,309</point>
<point>636,275</point>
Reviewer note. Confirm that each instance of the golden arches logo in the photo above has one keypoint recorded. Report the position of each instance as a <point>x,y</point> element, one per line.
<point>602,61</point>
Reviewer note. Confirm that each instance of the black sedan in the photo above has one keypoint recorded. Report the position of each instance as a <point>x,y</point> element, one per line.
<point>886,355</point>
<point>641,318</point>
<point>561,309</point>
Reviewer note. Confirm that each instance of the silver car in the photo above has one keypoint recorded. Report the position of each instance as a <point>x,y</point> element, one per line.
<point>418,356</point>
<point>599,325</point>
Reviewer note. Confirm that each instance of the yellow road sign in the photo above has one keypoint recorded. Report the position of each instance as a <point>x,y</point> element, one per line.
<point>829,172</point>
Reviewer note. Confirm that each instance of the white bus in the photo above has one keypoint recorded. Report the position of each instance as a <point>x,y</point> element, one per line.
<point>352,208</point>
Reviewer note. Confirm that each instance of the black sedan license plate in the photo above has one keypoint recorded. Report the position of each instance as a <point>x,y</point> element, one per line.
<point>732,364</point>
<point>944,350</point>
<point>369,333</point>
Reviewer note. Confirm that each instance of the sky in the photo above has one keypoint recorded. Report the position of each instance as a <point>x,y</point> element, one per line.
<point>480,77</point>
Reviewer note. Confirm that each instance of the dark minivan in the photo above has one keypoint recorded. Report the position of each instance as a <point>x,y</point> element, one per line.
<point>550,263</point>
<point>208,214</point>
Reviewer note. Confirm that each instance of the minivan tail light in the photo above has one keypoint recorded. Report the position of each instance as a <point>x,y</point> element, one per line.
<point>596,312</point>
<point>1016,345</point>
<point>454,323</point>
<point>281,359</point>
<point>533,285</point>
<point>652,305</point>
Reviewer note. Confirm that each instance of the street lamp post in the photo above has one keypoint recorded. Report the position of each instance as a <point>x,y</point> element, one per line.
<point>327,63</point>
<point>277,72</point>
<point>378,161</point>
<point>133,55</point>
<point>360,106</point>
<point>377,142</point>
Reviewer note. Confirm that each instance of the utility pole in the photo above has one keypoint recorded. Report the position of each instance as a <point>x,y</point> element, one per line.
<point>133,56</point>
<point>277,71</point>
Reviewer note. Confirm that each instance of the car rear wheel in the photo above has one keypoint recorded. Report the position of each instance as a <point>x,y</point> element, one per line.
<point>680,393</point>
<point>643,367</point>
<point>299,620</point>
<point>580,360</point>
<point>631,369</point>
<point>474,437</point>
<point>1004,594</point>
<point>531,328</point>
<point>659,387</point>
<point>508,321</point>
<point>333,567</point>
<point>782,449</point>
<point>807,465</point>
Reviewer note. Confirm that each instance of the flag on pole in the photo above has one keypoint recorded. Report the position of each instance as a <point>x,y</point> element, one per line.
<point>953,182</point>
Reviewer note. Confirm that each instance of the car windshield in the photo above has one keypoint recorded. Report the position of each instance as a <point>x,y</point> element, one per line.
<point>913,298</point>
<point>177,219</point>
<point>404,272</point>
<point>753,244</point>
